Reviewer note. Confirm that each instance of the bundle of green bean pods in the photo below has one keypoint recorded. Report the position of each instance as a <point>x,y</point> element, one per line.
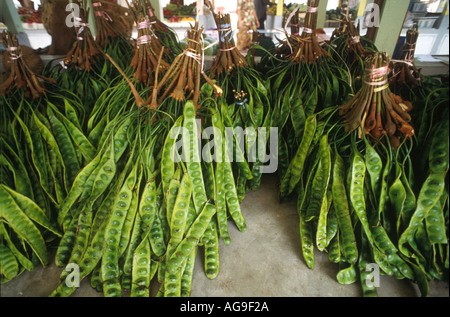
<point>303,83</point>
<point>247,100</point>
<point>43,147</point>
<point>363,200</point>
<point>135,212</point>
<point>349,47</point>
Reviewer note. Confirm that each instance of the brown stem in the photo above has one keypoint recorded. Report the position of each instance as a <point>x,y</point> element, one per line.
<point>139,101</point>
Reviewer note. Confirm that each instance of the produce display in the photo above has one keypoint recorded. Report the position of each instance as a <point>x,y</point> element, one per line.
<point>176,13</point>
<point>105,157</point>
<point>30,15</point>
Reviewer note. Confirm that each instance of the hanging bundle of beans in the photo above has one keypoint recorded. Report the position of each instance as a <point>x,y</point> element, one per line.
<point>246,98</point>
<point>20,75</point>
<point>104,25</point>
<point>42,146</point>
<point>84,51</point>
<point>166,35</point>
<point>361,203</point>
<point>147,49</point>
<point>306,47</point>
<point>306,81</point>
<point>405,75</point>
<point>137,215</point>
<point>228,57</point>
<point>378,200</point>
<point>375,108</point>
<point>346,45</point>
<point>182,80</point>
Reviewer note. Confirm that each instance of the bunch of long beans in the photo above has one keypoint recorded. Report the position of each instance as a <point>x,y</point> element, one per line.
<point>182,80</point>
<point>367,200</point>
<point>134,212</point>
<point>89,84</point>
<point>43,147</point>
<point>406,80</point>
<point>361,203</point>
<point>376,108</point>
<point>247,101</point>
<point>305,82</point>
<point>84,51</point>
<point>148,47</point>
<point>348,46</point>
<point>20,75</point>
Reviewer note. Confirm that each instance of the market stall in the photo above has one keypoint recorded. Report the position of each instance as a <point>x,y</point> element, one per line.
<point>142,164</point>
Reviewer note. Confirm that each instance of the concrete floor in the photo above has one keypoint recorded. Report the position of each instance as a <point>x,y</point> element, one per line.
<point>264,261</point>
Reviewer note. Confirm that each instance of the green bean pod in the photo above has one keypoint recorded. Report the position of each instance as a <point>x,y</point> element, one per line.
<point>148,205</point>
<point>110,260</point>
<point>212,252</point>
<point>193,161</point>
<point>232,200</point>
<point>186,278</point>
<point>320,182</point>
<point>222,217</point>
<point>66,147</point>
<point>157,237</point>
<point>91,262</point>
<point>347,275</point>
<point>340,202</point>
<point>77,188</point>
<point>397,198</point>
<point>332,228</point>
<point>439,153</point>
<point>171,194</point>
<point>374,167</point>
<point>435,225</point>
<point>368,289</point>
<point>292,178</point>
<point>429,195</point>
<point>172,280</point>
<point>141,277</point>
<point>305,228</point>
<point>103,176</point>
<point>83,232</point>
<point>181,208</point>
<point>334,249</point>
<point>191,239</point>
<point>130,219</point>
<point>67,242</point>
<point>357,199</point>
<point>10,267</point>
<point>321,231</point>
<point>22,259</point>
<point>168,155</point>
<point>127,257</point>
<point>17,220</point>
